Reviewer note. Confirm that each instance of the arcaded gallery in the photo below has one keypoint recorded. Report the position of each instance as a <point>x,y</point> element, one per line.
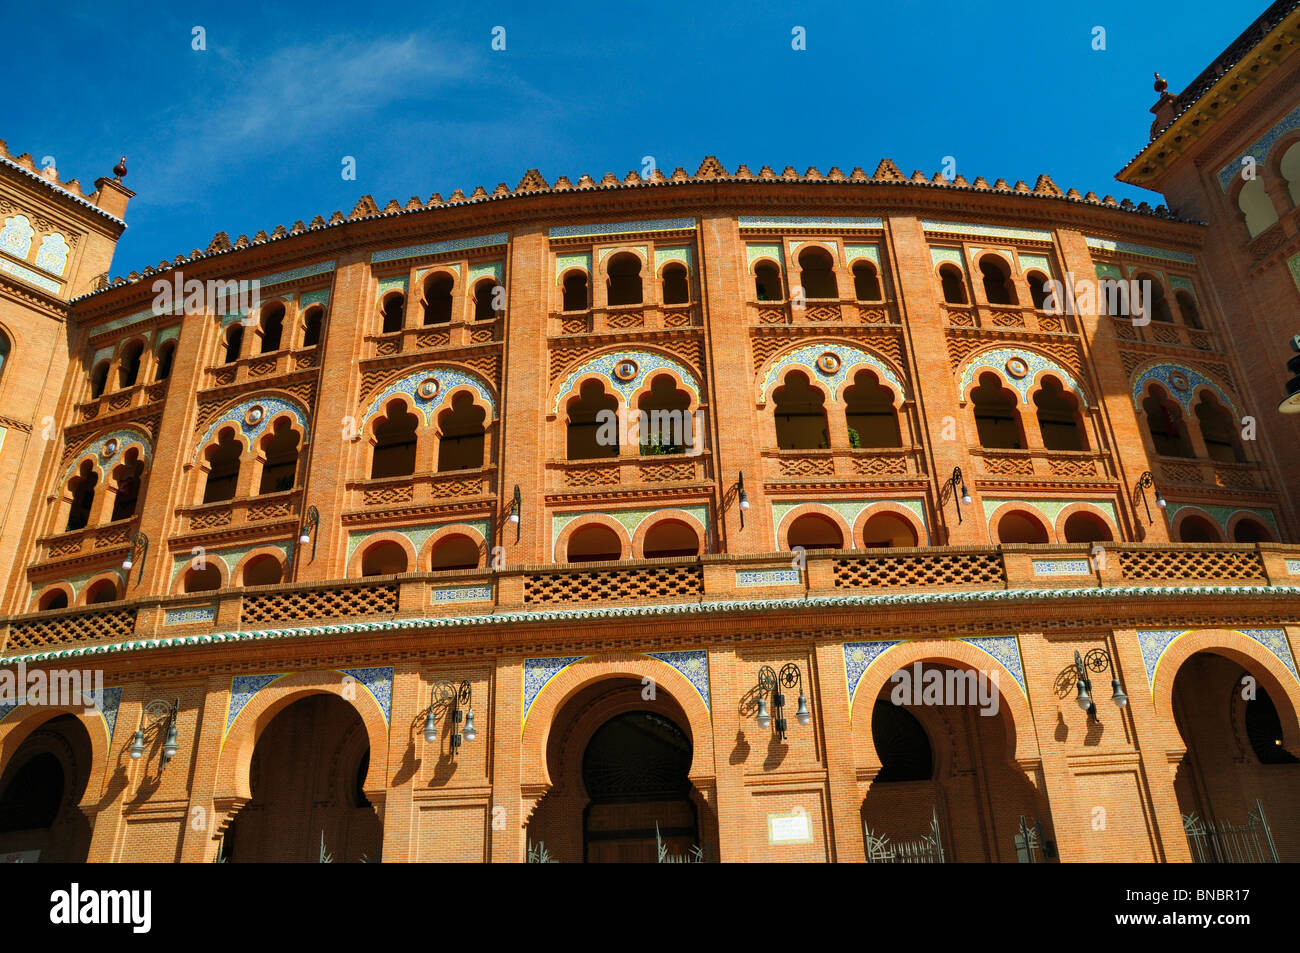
<point>720,515</point>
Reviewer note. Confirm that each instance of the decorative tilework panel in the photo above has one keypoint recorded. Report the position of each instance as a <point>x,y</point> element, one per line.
<point>988,231</point>
<point>230,556</point>
<point>851,510</point>
<point>1006,649</point>
<point>448,379</point>
<point>858,657</point>
<point>1062,567</point>
<point>1293,264</point>
<point>321,296</point>
<point>996,360</point>
<point>1261,147</point>
<point>939,255</point>
<point>419,535</point>
<point>29,276</point>
<point>103,463</point>
<point>1223,514</point>
<point>463,594</point>
<point>768,577</point>
<point>189,614</point>
<point>630,519</point>
<point>1049,509</point>
<point>110,707</point>
<point>1142,251</point>
<point>242,690</point>
<point>488,270</point>
<point>647,362</point>
<point>851,360</point>
<point>439,248</point>
<point>755,253</point>
<point>53,254</point>
<point>777,222</point>
<point>1179,283</point>
<point>572,260</point>
<point>694,665</point>
<point>833,245</point>
<point>16,236</point>
<point>1040,262</point>
<point>853,252</point>
<point>1155,642</point>
<point>272,407</point>
<point>1184,395</point>
<point>681,253</point>
<point>538,672</point>
<point>306,271</point>
<point>1109,271</point>
<point>389,285</point>
<point>642,250</point>
<point>378,682</point>
<point>1293,566</point>
<point>622,228</point>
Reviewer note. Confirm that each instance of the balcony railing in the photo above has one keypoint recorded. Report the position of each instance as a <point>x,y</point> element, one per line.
<point>426,337</point>
<point>91,540</point>
<point>823,311</point>
<point>1160,332</point>
<point>260,367</point>
<point>419,489</point>
<point>733,580</point>
<point>1038,463</point>
<point>1185,471</point>
<point>888,463</point>
<point>1007,318</point>
<point>657,470</point>
<point>239,513</point>
<point>630,317</point>
<point>138,395</point>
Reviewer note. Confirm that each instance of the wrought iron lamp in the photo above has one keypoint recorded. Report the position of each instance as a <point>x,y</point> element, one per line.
<point>742,497</point>
<point>447,695</point>
<point>516,503</point>
<point>1144,481</point>
<point>163,715</point>
<point>139,549</point>
<point>959,491</point>
<point>1097,660</point>
<point>771,682</point>
<point>310,525</point>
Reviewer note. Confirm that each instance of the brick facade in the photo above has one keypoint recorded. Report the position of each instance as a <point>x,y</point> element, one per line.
<point>302,703</point>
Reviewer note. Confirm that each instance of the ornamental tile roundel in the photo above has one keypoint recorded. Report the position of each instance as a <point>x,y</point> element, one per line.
<point>252,416</point>
<point>1021,365</point>
<point>103,451</point>
<point>428,389</point>
<point>832,365</point>
<point>613,367</point>
<point>1182,383</point>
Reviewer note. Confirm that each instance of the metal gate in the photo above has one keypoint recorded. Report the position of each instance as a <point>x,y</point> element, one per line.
<point>1222,843</point>
<point>1031,846</point>
<point>925,850</point>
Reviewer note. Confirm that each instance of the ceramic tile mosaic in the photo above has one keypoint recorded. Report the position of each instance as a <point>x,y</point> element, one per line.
<point>622,228</point>
<point>1142,251</point>
<point>430,249</point>
<point>647,362</point>
<point>850,360</point>
<point>996,360</point>
<point>694,665</point>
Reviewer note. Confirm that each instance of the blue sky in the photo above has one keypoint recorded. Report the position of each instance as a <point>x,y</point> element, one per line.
<point>251,132</point>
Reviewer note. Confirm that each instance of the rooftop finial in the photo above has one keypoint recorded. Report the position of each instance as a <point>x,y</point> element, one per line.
<point>1161,83</point>
<point>119,170</point>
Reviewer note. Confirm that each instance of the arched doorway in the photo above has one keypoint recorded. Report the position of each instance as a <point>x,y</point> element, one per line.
<point>40,791</point>
<point>634,770</point>
<point>619,764</point>
<point>946,748</point>
<point>1233,729</point>
<point>307,773</point>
